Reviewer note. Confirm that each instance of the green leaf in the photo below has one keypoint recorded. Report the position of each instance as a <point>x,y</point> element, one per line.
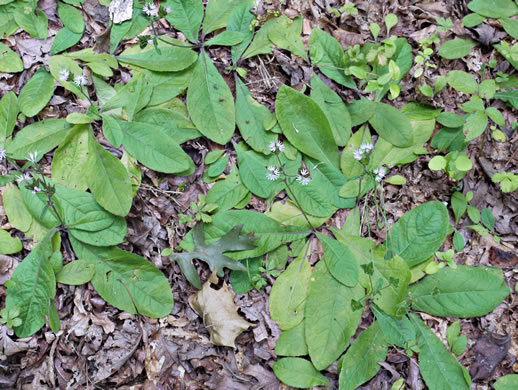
<point>36,93</point>
<point>154,147</point>
<point>241,280</point>
<point>31,287</point>
<point>108,179</point>
<point>456,48</point>
<point>351,167</point>
<point>397,332</point>
<point>8,244</point>
<point>250,118</point>
<point>375,29</point>
<point>218,12</point>
<point>212,253</point>
<point>285,33</point>
<point>298,373</point>
<point>186,16</point>
<point>63,40</point>
<point>488,219</point>
<point>340,261</point>
<point>292,342</point>
<point>510,26</point>
<point>314,197</point>
<point>462,82</point>
<point>10,62</point>
<point>463,163</point>
<point>210,102</point>
<point>170,59</point>
<point>227,193</point>
<point>71,18</point>
<point>360,362</point>
<point>472,20</point>
<point>487,89</point>
<point>459,204</point>
<point>35,22</point>
<point>40,137</point>
<point>437,163</point>
<point>334,109</point>
<point>260,44</point>
<point>449,119</point>
<point>330,320</point>
<point>439,369</point>
<point>496,116</point>
<point>419,233</point>
<point>70,160</point>
<point>240,20</point>
<point>396,180</point>
<point>288,295</point>
<point>507,382</point>
<point>390,21</point>
<point>15,209</point>
<point>127,281</point>
<point>8,114</point>
<point>494,8</point>
<point>306,126</point>
<point>508,181</point>
<point>329,56</point>
<point>392,125</point>
<point>134,96</point>
<point>452,333</point>
<point>226,38</point>
<point>76,273</point>
<point>218,167</point>
<point>288,214</point>
<point>475,125</point>
<point>462,292</point>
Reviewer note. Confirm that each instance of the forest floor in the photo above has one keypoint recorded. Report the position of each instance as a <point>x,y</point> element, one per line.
<point>100,346</point>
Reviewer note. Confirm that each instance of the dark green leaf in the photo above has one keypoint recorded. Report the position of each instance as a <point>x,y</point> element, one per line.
<point>35,95</point>
<point>456,48</point>
<point>170,59</point>
<point>71,18</point>
<point>186,16</point>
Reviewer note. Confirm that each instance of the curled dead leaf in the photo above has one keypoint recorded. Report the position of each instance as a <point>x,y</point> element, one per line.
<point>219,313</point>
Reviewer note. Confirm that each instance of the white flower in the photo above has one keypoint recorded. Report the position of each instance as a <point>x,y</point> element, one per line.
<point>273,147</point>
<point>36,189</point>
<point>280,146</point>
<point>33,157</point>
<point>150,42</point>
<point>149,9</point>
<point>64,74</point>
<point>303,180</point>
<point>168,10</point>
<point>380,173</point>
<point>2,154</point>
<point>273,173</point>
<point>358,154</point>
<point>25,177</point>
<point>366,147</point>
<point>304,172</point>
<point>80,80</point>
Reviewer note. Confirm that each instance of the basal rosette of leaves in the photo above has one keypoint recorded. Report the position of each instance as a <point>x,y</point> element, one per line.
<point>322,152</point>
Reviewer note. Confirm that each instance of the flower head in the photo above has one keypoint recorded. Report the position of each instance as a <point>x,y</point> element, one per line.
<point>280,146</point>
<point>273,173</point>
<point>366,147</point>
<point>2,154</point>
<point>25,177</point>
<point>149,9</point>
<point>80,80</point>
<point>168,10</point>
<point>33,157</point>
<point>380,173</point>
<point>273,147</point>
<point>64,74</point>
<point>36,189</point>
<point>150,42</point>
<point>303,180</point>
<point>358,154</point>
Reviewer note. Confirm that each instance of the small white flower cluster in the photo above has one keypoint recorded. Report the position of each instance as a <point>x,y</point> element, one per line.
<point>273,173</point>
<point>80,80</point>
<point>2,154</point>
<point>303,177</point>
<point>25,177</point>
<point>64,74</point>
<point>149,9</point>
<point>380,173</point>
<point>364,149</point>
<point>33,157</point>
<point>36,189</point>
<point>274,146</point>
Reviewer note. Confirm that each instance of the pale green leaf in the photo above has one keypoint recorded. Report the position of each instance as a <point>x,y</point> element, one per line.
<point>494,8</point>
<point>285,33</point>
<point>170,59</point>
<point>76,273</point>
<point>63,40</point>
<point>299,373</point>
<point>10,62</point>
<point>462,82</point>
<point>226,38</point>
<point>35,95</point>
<point>507,382</point>
<point>475,125</point>
<point>218,12</point>
<point>392,125</point>
<point>8,114</point>
<point>186,16</point>
<point>35,22</point>
<point>292,342</point>
<point>340,261</point>
<point>456,48</point>
<point>71,18</point>
<point>8,244</point>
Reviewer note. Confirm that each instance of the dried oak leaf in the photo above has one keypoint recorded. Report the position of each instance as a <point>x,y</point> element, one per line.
<point>219,313</point>
<point>212,254</point>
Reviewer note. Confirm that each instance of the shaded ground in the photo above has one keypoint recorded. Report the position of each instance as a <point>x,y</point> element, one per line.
<point>101,347</point>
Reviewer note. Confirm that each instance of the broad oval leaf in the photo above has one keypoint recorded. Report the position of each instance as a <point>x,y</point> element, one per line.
<point>462,292</point>
<point>63,40</point>
<point>154,148</point>
<point>40,137</point>
<point>462,81</point>
<point>186,16</point>
<point>507,382</point>
<point>292,342</point>
<point>76,273</point>
<point>218,12</point>
<point>10,62</point>
<point>456,48</point>
<point>299,373</point>
<point>306,126</point>
<point>127,281</point>
<point>170,59</point>
<point>330,320</point>
<point>439,369</point>
<point>419,233</point>
<point>36,93</point>
<point>108,179</point>
<point>210,102</point>
<point>30,289</point>
<point>288,293</point>
<point>71,18</point>
<point>329,56</point>
<point>494,8</point>
<point>392,125</point>
<point>360,362</point>
<point>475,125</point>
<point>8,244</point>
<point>340,261</point>
<point>8,114</point>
